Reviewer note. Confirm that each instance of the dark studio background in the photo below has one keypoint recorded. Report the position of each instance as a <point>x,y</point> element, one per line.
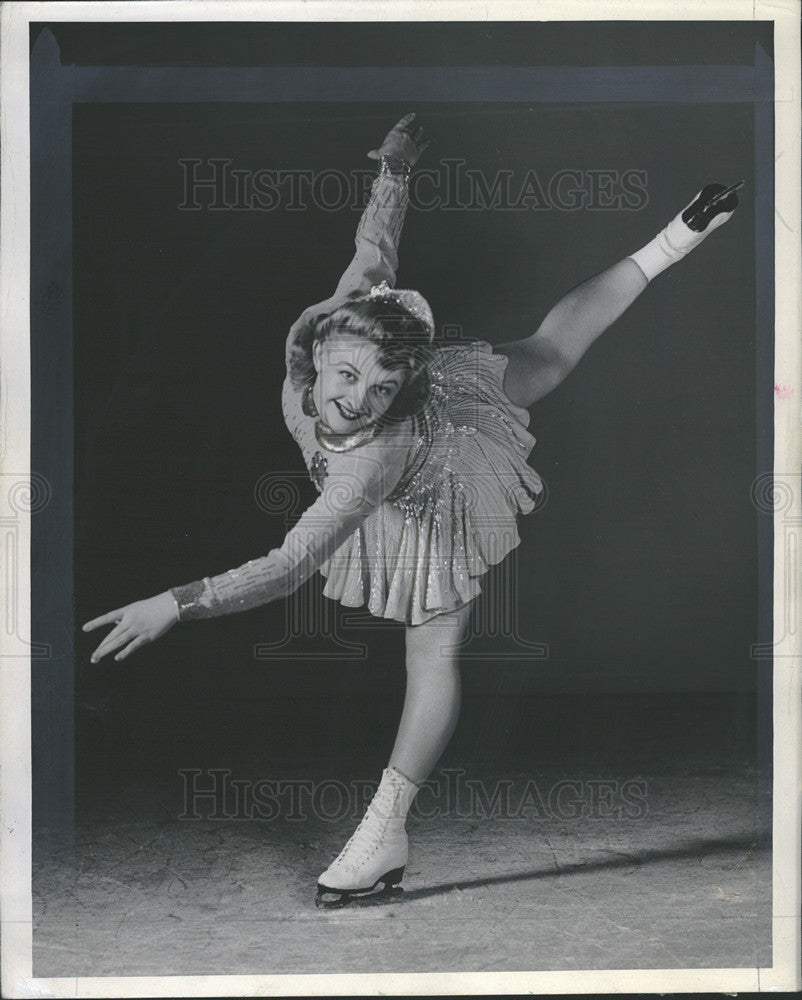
<point>641,571</point>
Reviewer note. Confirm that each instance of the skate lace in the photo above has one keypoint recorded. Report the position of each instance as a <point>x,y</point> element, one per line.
<point>367,838</point>
<point>363,842</point>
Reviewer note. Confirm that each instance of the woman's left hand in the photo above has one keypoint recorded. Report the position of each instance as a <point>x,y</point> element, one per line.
<point>405,139</point>
<point>135,624</point>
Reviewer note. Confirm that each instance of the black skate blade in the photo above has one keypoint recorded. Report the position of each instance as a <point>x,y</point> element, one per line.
<point>378,897</point>
<point>722,195</point>
<point>727,191</point>
<point>383,889</point>
<point>698,215</point>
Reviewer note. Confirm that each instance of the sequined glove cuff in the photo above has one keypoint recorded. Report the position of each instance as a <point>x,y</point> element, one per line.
<point>392,164</point>
<point>194,600</point>
<point>383,218</point>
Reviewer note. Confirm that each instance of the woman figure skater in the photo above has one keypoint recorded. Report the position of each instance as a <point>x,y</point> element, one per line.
<point>419,454</point>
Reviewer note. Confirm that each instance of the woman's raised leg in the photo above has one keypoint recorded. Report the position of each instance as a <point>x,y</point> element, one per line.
<point>540,362</point>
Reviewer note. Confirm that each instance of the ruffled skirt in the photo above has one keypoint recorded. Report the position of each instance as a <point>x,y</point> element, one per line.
<point>454,514</point>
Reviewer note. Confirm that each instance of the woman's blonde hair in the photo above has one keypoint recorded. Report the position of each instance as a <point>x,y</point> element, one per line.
<point>402,339</point>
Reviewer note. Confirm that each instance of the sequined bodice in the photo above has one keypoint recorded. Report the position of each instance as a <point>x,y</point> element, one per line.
<point>302,427</point>
<point>436,437</point>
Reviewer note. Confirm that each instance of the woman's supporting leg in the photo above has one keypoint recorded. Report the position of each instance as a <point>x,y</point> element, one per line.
<point>378,850</point>
<point>432,701</point>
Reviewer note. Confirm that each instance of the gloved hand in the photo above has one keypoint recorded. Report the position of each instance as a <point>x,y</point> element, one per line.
<point>403,140</point>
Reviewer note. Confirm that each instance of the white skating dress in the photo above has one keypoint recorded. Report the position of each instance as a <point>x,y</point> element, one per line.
<point>407,524</point>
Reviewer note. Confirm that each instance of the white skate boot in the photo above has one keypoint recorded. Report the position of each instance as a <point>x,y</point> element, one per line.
<point>378,849</point>
<point>710,208</point>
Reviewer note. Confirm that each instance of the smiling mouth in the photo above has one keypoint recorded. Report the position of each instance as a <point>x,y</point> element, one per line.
<point>348,414</point>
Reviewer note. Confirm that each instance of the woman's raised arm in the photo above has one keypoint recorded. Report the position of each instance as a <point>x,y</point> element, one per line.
<point>379,231</point>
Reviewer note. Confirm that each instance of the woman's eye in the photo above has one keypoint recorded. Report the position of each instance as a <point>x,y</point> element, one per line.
<point>348,376</point>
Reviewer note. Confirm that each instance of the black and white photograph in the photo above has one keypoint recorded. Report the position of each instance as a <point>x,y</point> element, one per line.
<point>401,498</point>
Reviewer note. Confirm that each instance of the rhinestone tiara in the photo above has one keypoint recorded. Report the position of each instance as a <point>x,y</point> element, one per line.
<point>410,300</point>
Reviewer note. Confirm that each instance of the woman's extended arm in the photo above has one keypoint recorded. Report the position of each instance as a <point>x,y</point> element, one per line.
<point>356,486</point>
<point>356,483</point>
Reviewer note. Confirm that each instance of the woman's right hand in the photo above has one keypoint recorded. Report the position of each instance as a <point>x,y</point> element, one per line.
<point>404,139</point>
<point>134,625</point>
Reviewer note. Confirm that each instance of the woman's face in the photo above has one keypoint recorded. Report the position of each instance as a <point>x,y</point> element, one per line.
<point>352,389</point>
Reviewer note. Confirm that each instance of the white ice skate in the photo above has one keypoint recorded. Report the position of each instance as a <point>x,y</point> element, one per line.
<point>710,208</point>
<point>378,850</point>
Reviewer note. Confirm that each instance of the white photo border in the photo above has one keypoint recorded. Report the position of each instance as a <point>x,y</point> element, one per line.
<point>16,970</point>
